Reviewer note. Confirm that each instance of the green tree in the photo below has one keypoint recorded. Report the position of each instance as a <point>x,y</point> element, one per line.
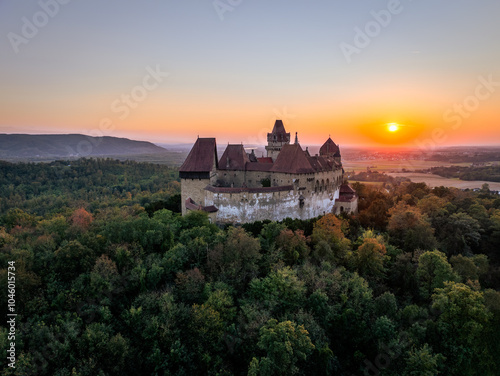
<point>470,268</point>
<point>462,322</point>
<point>423,362</point>
<point>236,260</point>
<point>460,233</point>
<point>433,271</point>
<point>103,350</point>
<point>73,258</point>
<point>285,345</point>
<point>281,291</point>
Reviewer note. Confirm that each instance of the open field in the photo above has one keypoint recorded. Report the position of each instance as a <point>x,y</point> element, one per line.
<point>436,181</point>
<point>384,165</point>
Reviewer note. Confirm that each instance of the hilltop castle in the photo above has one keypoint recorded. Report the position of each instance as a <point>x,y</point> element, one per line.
<point>288,182</point>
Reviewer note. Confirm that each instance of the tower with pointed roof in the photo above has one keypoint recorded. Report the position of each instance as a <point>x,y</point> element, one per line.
<point>330,150</point>
<point>277,139</point>
<point>198,170</point>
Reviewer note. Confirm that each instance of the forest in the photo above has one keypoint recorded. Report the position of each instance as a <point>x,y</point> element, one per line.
<point>111,280</point>
<point>488,173</point>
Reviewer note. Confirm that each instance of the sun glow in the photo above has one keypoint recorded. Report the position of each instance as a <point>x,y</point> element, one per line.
<point>393,127</point>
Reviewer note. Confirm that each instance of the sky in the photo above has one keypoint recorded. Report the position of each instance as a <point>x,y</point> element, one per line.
<point>169,71</point>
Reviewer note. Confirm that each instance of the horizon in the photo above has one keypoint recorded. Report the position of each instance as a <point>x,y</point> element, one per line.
<point>172,71</point>
<point>250,146</point>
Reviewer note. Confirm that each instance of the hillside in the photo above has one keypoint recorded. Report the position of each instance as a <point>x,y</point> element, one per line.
<point>55,146</point>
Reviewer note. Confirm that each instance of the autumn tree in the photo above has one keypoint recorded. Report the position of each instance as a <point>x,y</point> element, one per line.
<point>432,205</point>
<point>80,220</point>
<point>292,246</point>
<point>329,239</point>
<point>368,259</point>
<point>409,229</point>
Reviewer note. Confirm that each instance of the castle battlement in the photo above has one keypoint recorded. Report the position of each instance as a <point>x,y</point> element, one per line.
<point>288,182</point>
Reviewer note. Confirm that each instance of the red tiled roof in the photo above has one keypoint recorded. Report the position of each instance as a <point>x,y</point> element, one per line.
<point>202,156</point>
<point>191,205</point>
<point>329,148</point>
<point>346,193</point>
<point>320,164</point>
<point>346,188</point>
<point>293,160</point>
<point>257,166</point>
<point>234,158</point>
<point>265,160</point>
<point>280,133</point>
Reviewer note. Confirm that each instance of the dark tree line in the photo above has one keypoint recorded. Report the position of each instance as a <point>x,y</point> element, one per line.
<point>487,173</point>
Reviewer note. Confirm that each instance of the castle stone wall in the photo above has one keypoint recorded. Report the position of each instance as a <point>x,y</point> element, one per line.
<point>346,207</point>
<point>194,188</point>
<point>246,207</point>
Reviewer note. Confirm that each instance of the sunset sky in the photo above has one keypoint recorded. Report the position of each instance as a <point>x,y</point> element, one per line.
<point>346,68</point>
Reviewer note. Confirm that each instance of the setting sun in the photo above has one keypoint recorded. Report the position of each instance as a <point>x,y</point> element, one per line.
<point>393,127</point>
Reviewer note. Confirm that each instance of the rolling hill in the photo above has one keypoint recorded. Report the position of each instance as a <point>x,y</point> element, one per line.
<point>57,146</point>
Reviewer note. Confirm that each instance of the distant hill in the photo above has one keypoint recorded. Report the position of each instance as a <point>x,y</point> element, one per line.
<point>57,146</point>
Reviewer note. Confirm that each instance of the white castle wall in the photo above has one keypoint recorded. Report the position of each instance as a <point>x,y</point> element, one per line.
<point>249,206</point>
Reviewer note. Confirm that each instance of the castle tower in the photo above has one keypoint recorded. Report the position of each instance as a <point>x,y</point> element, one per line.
<point>330,150</point>
<point>276,139</point>
<point>198,170</point>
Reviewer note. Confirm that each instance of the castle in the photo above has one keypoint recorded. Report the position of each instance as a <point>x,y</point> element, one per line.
<point>289,182</point>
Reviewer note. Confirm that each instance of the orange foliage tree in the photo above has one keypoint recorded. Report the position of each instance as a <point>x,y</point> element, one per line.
<point>81,219</point>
